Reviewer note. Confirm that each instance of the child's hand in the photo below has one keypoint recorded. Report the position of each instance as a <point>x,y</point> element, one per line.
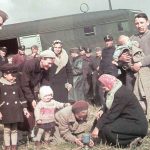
<point>67,104</point>
<point>26,113</point>
<point>115,63</point>
<point>33,103</point>
<point>39,121</point>
<point>1,116</point>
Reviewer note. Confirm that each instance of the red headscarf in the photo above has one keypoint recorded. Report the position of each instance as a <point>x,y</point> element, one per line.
<point>107,80</point>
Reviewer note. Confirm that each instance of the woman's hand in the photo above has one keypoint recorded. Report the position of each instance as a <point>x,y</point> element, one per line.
<point>91,143</point>
<point>95,132</point>
<point>99,114</point>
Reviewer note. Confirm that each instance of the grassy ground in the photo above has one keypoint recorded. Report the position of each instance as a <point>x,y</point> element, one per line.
<point>67,146</point>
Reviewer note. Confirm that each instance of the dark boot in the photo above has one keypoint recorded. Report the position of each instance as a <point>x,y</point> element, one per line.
<point>7,148</point>
<point>13,147</point>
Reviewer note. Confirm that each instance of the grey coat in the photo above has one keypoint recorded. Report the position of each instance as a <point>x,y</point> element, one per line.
<point>77,92</point>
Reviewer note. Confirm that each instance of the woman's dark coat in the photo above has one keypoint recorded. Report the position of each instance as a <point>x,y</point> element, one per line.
<point>124,121</point>
<point>58,81</point>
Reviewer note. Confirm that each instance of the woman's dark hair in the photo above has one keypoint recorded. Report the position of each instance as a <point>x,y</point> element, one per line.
<point>142,15</point>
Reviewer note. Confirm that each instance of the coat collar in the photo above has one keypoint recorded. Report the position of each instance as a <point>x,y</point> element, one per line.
<point>4,81</point>
<point>61,60</point>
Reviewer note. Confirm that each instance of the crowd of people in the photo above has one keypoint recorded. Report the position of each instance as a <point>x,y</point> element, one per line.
<point>52,90</point>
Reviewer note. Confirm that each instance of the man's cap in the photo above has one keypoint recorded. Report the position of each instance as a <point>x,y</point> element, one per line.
<point>3,15</point>
<point>81,48</point>
<point>47,54</point>
<point>4,49</point>
<point>79,106</point>
<point>108,38</point>
<point>21,47</point>
<point>75,50</point>
<point>97,49</point>
<point>9,68</point>
<point>88,50</point>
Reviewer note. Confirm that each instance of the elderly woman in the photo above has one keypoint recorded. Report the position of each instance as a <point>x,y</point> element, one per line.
<point>122,121</point>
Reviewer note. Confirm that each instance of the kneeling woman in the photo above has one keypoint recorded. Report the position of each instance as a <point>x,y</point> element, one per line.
<point>122,120</point>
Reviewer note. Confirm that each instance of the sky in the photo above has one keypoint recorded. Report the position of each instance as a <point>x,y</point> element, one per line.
<point>28,10</point>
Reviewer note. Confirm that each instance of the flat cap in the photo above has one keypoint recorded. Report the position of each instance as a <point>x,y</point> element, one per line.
<point>3,15</point>
<point>3,49</point>
<point>75,50</point>
<point>47,54</point>
<point>79,106</point>
<point>88,50</point>
<point>21,47</point>
<point>8,68</point>
<point>108,38</point>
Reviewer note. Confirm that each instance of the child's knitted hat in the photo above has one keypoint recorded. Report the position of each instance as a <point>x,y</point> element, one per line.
<point>45,90</point>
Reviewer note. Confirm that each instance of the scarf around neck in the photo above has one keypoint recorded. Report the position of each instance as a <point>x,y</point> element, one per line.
<point>111,93</point>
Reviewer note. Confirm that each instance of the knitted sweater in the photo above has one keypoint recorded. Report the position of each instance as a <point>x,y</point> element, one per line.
<point>45,111</point>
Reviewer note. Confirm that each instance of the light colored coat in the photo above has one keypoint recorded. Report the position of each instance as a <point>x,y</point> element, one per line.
<point>69,128</point>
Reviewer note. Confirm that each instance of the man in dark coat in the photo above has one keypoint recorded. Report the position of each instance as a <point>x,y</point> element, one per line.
<point>3,58</point>
<point>32,74</point>
<point>106,65</point>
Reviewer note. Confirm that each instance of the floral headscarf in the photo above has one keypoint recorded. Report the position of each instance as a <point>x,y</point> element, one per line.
<point>113,84</point>
<point>108,80</point>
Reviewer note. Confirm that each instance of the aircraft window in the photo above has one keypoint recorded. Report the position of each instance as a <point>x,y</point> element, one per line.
<point>123,26</point>
<point>89,30</point>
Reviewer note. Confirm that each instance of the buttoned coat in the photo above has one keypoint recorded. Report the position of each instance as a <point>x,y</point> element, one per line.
<point>12,102</point>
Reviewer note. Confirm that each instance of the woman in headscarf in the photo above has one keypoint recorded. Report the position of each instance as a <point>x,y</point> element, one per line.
<point>122,121</point>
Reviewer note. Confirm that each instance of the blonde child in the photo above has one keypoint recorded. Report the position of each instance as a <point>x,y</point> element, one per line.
<point>44,114</point>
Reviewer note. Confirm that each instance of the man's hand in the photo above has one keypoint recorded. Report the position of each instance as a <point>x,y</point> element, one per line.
<point>33,103</point>
<point>125,57</point>
<point>68,86</point>
<point>1,116</point>
<point>78,142</point>
<point>26,113</point>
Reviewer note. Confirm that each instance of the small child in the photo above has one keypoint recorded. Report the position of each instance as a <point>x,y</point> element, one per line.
<point>12,105</point>
<point>44,114</point>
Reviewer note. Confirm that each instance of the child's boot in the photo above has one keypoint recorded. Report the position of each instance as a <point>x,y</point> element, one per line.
<point>13,147</point>
<point>7,148</point>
